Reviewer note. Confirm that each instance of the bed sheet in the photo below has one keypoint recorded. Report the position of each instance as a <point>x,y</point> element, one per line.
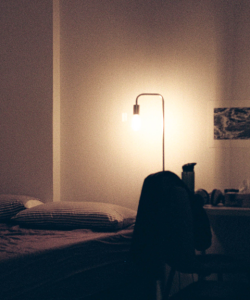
<point>35,263</point>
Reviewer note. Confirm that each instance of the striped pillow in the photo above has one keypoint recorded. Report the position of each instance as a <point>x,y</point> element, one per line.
<point>67,215</point>
<point>10,205</point>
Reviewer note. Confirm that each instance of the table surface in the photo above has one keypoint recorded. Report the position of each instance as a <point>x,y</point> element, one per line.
<point>227,210</point>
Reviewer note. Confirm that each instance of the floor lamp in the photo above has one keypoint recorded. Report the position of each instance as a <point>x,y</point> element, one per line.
<point>136,117</point>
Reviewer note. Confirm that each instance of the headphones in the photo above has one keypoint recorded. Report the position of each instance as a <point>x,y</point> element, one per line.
<point>214,198</point>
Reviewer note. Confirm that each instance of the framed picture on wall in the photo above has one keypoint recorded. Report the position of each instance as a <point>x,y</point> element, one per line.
<point>229,124</point>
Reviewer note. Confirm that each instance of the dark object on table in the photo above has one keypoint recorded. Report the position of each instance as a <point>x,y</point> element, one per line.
<point>188,175</point>
<point>203,195</point>
<point>231,198</point>
<point>217,197</point>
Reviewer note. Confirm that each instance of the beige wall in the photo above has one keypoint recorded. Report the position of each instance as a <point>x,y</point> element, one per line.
<point>192,52</point>
<point>26,98</point>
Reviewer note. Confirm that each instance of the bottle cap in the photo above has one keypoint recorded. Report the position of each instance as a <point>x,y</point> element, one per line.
<point>188,167</point>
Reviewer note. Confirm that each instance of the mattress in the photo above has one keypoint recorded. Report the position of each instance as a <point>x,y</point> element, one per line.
<point>61,264</point>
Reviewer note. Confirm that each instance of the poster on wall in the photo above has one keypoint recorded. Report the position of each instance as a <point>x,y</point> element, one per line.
<point>229,124</point>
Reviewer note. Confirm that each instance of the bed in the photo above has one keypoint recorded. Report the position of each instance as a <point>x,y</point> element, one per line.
<point>63,250</point>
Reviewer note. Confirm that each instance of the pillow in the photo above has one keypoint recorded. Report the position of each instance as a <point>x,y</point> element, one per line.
<point>12,204</point>
<point>68,215</point>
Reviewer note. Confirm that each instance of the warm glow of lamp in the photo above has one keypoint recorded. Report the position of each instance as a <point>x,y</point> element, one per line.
<point>136,120</point>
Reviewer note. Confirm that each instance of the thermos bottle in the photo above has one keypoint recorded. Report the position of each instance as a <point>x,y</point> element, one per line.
<point>188,175</point>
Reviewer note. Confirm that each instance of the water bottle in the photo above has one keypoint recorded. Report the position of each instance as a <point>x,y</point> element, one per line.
<point>188,175</point>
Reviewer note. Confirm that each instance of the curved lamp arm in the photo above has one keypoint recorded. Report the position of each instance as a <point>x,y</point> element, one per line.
<point>137,111</point>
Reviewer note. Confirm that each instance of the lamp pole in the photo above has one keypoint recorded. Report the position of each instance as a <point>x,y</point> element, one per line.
<point>137,111</point>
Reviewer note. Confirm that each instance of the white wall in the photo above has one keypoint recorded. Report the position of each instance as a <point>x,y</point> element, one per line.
<point>191,52</point>
<point>26,98</point>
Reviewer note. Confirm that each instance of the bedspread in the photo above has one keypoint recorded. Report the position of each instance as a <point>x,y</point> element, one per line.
<point>51,263</point>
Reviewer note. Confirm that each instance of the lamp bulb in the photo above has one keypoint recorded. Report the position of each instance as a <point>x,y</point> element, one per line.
<point>136,122</point>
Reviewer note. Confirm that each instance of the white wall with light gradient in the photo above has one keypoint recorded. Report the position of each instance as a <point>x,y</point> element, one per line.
<point>191,52</point>
<point>64,137</point>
